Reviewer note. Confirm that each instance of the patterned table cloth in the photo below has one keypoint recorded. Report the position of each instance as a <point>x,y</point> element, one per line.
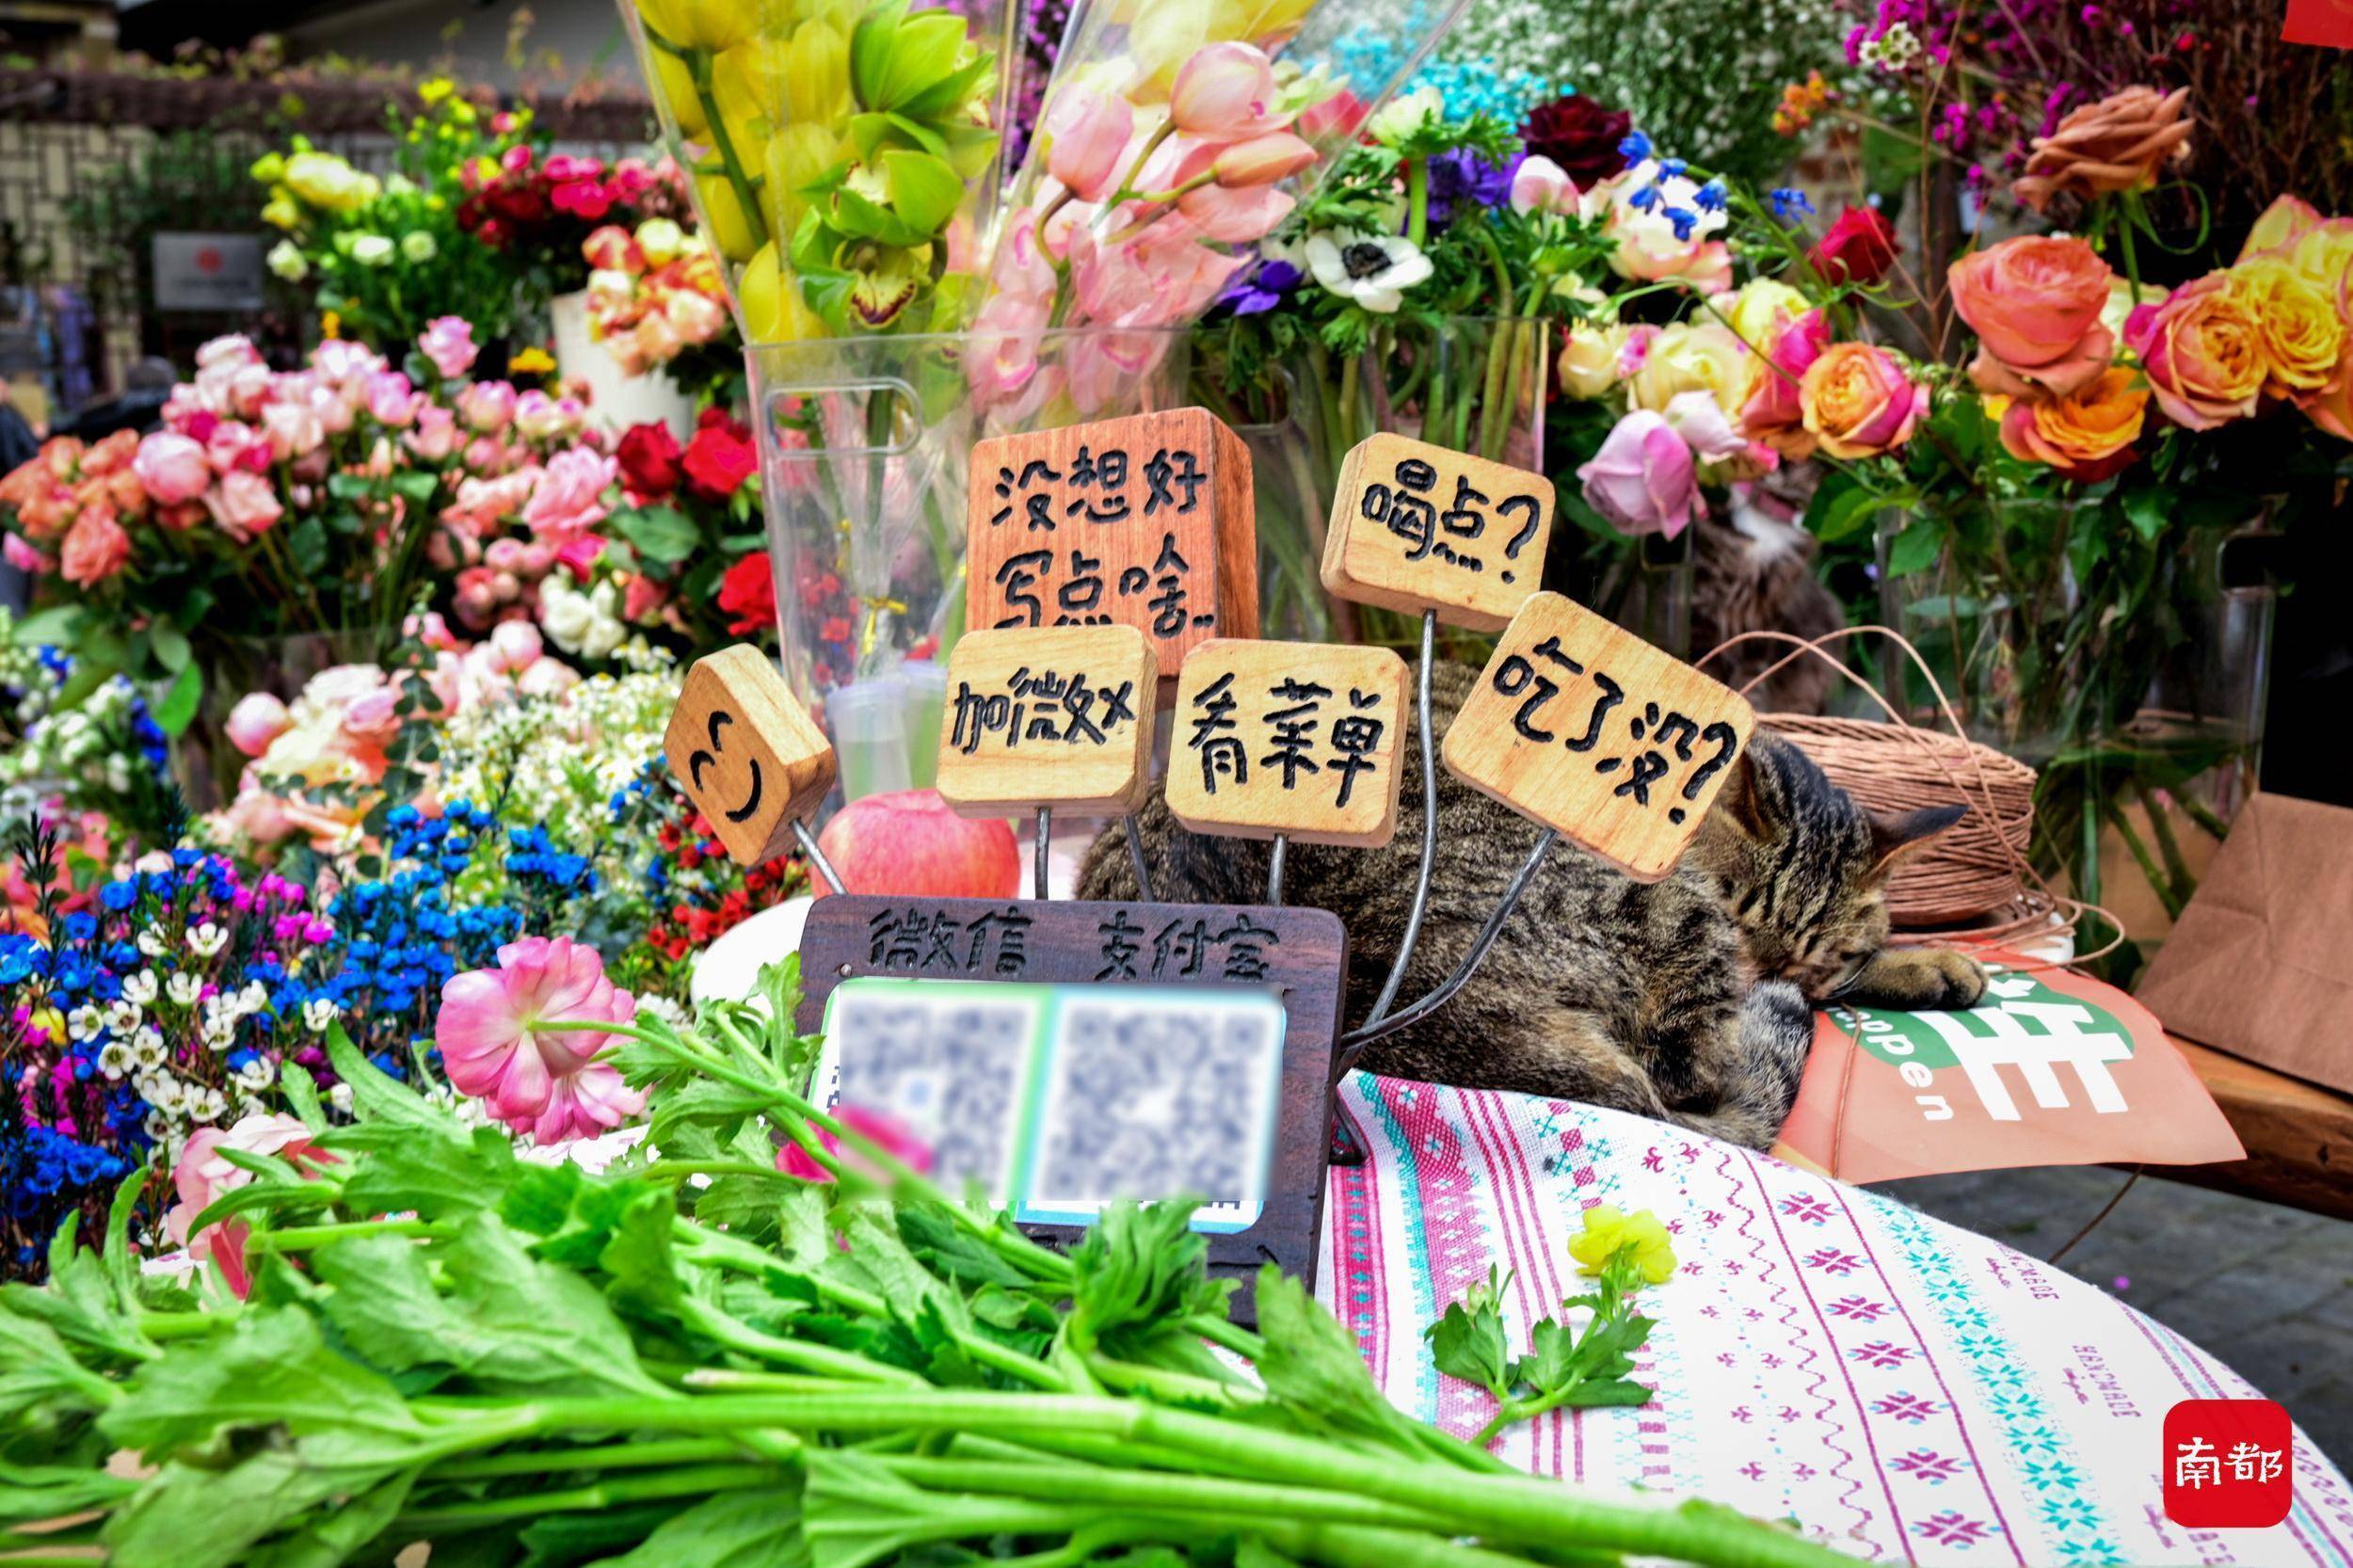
<point>1910,1392</point>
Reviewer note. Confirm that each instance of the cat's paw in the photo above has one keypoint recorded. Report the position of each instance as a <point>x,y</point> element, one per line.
<point>1921,979</point>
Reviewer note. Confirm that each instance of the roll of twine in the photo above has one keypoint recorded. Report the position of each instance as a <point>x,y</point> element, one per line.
<point>1972,882</point>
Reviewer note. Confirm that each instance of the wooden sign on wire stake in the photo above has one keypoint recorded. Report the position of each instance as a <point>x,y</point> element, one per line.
<point>1290,740</point>
<point>1144,522</point>
<point>1420,527</point>
<point>751,759</point>
<point>1587,729</point>
<point>1059,716</point>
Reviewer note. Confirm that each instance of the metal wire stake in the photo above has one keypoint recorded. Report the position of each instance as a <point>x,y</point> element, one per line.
<point>1429,825</point>
<point>1135,853</point>
<point>1354,1043</point>
<point>817,857</point>
<point>1274,870</point>
<point>1041,876</point>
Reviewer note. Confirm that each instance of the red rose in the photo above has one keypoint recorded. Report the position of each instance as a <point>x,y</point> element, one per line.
<point>719,459</point>
<point>1859,249</point>
<point>1578,134</point>
<point>648,455</point>
<point>748,594</point>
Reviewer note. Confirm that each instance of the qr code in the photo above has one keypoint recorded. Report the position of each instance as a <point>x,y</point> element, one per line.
<point>949,1069</point>
<point>1157,1094</point>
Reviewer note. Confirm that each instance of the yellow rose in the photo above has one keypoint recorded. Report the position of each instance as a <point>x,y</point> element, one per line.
<point>1589,359</point>
<point>282,212</point>
<point>2302,335</point>
<point>1608,1231</point>
<point>2324,256</point>
<point>325,180</point>
<point>699,24</point>
<point>1753,310</point>
<point>2286,220</point>
<point>1701,356</point>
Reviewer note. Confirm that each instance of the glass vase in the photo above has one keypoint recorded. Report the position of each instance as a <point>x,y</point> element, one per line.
<point>866,448</point>
<point>2137,692</point>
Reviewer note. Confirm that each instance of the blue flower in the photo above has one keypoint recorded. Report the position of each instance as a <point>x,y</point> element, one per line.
<point>1684,220</point>
<point>1791,205</point>
<point>1644,199</point>
<point>1712,196</point>
<point>119,895</point>
<point>1636,146</point>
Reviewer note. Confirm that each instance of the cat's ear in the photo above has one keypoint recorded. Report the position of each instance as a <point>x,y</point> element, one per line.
<point>1897,834</point>
<point>1742,800</point>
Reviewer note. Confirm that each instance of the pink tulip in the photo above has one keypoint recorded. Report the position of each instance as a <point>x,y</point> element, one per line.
<point>258,719</point>
<point>1642,479</point>
<point>448,342</point>
<point>1332,119</point>
<point>1541,186</point>
<point>202,1177</point>
<point>171,467</point>
<point>244,503</point>
<point>495,1044</point>
<point>1235,217</point>
<point>1224,93</point>
<point>884,1132</point>
<point>1087,133</point>
<point>1262,160</point>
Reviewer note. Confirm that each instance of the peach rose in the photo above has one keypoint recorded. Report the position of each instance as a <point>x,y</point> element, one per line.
<point>2302,334</point>
<point>2203,351</point>
<point>95,547</point>
<point>1858,402</point>
<point>2035,303</point>
<point>1774,411</point>
<point>2087,434</point>
<point>2288,218</point>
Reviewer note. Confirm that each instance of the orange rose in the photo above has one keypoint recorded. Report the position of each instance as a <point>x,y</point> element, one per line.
<point>1858,402</point>
<point>2087,435</point>
<point>2035,303</point>
<point>2288,220</point>
<point>2203,351</point>
<point>2302,334</point>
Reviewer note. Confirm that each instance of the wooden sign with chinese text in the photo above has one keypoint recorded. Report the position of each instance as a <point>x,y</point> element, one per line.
<point>1299,738</point>
<point>750,756</point>
<point>1300,953</point>
<point>1587,729</point>
<point>1057,716</point>
<point>1419,527</point>
<point>1144,522</point>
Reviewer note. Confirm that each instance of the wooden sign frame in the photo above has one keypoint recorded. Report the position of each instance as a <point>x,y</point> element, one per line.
<point>1301,952</point>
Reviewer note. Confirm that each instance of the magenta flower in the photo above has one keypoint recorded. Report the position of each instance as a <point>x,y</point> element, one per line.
<point>495,1043</point>
<point>886,1132</point>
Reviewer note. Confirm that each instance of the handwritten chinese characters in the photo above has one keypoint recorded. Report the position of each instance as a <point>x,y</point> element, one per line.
<point>1056,716</point>
<point>1144,522</point>
<point>1419,527</point>
<point>750,756</point>
<point>1290,738</point>
<point>1590,730</point>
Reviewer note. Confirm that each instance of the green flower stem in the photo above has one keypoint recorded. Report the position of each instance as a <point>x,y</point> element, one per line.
<point>1157,1489</point>
<point>682,1170</point>
<point>1692,1531</point>
<point>2151,872</point>
<point>687,1481</point>
<point>613,1456</point>
<point>747,193</point>
<point>2185,881</point>
<point>303,1237</point>
<point>805,1355</point>
<point>1370,1546</point>
<point>1417,202</point>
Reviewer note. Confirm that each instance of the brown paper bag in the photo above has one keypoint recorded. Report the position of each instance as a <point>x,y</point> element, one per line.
<point>2261,962</point>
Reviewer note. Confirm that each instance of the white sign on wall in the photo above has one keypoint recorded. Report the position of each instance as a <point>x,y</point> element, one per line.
<point>197,271</point>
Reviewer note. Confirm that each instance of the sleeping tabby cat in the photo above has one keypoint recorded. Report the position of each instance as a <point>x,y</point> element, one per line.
<point>1688,1000</point>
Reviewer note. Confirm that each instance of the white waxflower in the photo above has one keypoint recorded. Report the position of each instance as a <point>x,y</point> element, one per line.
<point>317,1014</point>
<point>84,1022</point>
<point>207,940</point>
<point>147,1044</point>
<point>161,1090</point>
<point>139,989</point>
<point>1374,270</point>
<point>158,1126</point>
<point>184,988</point>
<point>219,1034</point>
<point>253,998</point>
<point>339,1095</point>
<point>206,1105</point>
<point>122,1015</point>
<point>152,942</point>
<point>257,1074</point>
<point>114,1061</point>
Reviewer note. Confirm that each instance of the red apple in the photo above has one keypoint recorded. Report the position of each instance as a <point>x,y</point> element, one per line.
<point>909,842</point>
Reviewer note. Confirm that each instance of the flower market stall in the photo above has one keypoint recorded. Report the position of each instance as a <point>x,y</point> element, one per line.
<point>1179,783</point>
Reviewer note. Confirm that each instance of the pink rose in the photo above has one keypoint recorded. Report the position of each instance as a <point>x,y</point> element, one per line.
<point>225,447</point>
<point>487,406</point>
<point>542,418</point>
<point>569,496</point>
<point>1642,479</point>
<point>546,676</point>
<point>435,436</point>
<point>448,342</point>
<point>245,504</point>
<point>1773,413</point>
<point>95,547</point>
<point>293,430</point>
<point>172,467</point>
<point>258,719</point>
<point>516,643</point>
<point>391,400</point>
<point>1086,134</point>
<point>19,554</point>
<point>2034,302</point>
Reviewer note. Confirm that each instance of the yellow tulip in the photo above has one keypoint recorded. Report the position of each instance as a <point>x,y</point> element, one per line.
<point>676,84</point>
<point>773,309</point>
<point>700,24</point>
<point>729,227</point>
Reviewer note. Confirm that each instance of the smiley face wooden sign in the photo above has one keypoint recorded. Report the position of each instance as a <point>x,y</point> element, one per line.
<point>748,754</point>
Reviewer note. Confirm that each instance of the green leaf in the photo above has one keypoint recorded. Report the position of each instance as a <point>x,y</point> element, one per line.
<point>545,1327</point>
<point>271,1372</point>
<point>416,485</point>
<point>1469,1343</point>
<point>854,1512</point>
<point>40,1376</point>
<point>1916,547</point>
<point>179,706</point>
<point>60,625</point>
<point>661,534</point>
<point>734,1529</point>
<point>948,1251</point>
<point>1315,1366</point>
<point>2148,511</point>
<point>337,1532</point>
<point>195,1517</point>
<point>170,643</point>
<point>306,544</point>
<point>350,486</point>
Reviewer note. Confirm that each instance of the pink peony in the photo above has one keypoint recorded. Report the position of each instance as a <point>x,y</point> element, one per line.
<point>202,1177</point>
<point>172,467</point>
<point>494,1043</point>
<point>95,547</point>
<point>245,504</point>
<point>569,496</point>
<point>448,342</point>
<point>258,719</point>
<point>892,1136</point>
<point>1642,479</point>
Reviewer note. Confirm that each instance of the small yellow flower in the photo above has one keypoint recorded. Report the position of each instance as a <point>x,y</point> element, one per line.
<point>48,1021</point>
<point>1608,1231</point>
<point>433,90</point>
<point>531,361</point>
<point>330,325</point>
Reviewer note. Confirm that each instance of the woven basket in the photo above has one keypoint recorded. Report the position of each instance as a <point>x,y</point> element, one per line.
<point>1969,871</point>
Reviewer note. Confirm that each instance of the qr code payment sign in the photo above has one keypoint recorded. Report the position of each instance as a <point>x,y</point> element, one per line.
<point>1057,1099</point>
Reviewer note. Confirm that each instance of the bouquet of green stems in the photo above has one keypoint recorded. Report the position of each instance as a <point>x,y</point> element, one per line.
<point>705,1358</point>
